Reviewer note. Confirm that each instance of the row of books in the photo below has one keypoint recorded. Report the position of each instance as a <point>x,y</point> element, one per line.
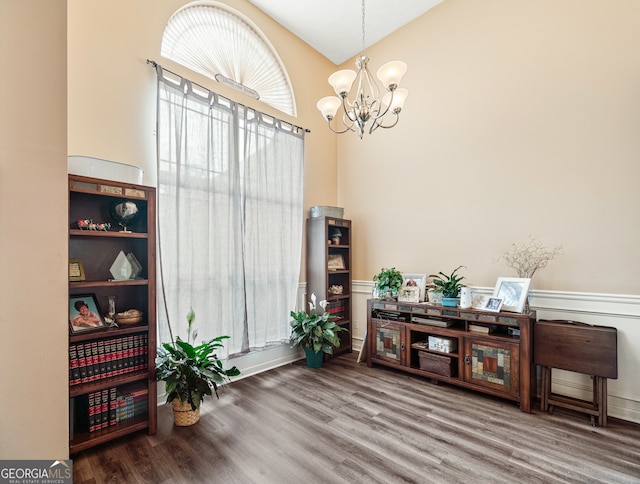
<point>336,308</point>
<point>101,409</point>
<point>433,321</point>
<point>389,315</point>
<point>484,328</point>
<point>105,358</point>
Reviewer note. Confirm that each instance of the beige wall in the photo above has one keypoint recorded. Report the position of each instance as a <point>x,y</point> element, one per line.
<point>522,119</point>
<point>33,217</point>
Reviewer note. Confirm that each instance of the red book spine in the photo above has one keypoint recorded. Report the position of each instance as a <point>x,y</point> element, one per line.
<point>104,408</point>
<point>91,351</point>
<point>120,355</point>
<point>102,359</point>
<point>129,354</point>
<point>74,370</point>
<point>92,412</point>
<point>112,406</point>
<point>113,357</point>
<point>82,363</point>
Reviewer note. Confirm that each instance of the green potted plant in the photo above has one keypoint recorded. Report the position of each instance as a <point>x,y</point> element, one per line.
<point>388,282</point>
<point>315,331</point>
<point>449,286</point>
<point>190,373</point>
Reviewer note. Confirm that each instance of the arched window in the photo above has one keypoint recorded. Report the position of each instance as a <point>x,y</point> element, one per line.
<point>216,41</point>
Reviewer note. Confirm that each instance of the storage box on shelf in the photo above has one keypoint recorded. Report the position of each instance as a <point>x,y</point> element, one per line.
<point>112,365</point>
<point>436,342</point>
<point>329,270</point>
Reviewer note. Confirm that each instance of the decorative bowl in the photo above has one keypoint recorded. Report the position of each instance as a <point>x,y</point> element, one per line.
<point>132,316</point>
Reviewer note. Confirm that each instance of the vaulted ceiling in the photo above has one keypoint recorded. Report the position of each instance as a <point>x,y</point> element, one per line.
<point>334,27</point>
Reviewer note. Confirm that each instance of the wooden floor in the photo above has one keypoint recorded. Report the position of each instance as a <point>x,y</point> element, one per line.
<point>346,423</point>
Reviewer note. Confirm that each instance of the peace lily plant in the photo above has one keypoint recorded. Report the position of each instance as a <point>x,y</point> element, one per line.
<point>315,331</point>
<point>191,372</point>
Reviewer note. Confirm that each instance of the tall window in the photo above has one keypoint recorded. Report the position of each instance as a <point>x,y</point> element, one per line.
<point>229,217</point>
<point>214,40</point>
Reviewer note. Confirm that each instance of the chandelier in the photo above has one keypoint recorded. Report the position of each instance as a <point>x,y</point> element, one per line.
<point>364,107</point>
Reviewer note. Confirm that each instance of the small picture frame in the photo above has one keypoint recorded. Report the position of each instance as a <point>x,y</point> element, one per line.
<point>513,291</point>
<point>84,313</point>
<point>484,302</point>
<point>409,294</point>
<point>335,262</point>
<point>76,270</point>
<point>493,304</point>
<point>419,280</point>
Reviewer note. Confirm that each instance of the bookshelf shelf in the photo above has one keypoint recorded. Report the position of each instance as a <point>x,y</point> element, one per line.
<point>85,440</point>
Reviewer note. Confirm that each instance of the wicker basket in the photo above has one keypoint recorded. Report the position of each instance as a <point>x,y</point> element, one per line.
<point>440,365</point>
<point>183,415</point>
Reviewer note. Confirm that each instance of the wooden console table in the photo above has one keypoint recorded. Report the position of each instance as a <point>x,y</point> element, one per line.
<point>578,347</point>
<point>479,350</point>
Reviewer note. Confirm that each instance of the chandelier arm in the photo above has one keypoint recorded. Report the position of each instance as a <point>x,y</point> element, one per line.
<point>348,124</point>
<point>380,115</point>
<point>375,125</point>
<point>348,128</point>
<point>347,107</point>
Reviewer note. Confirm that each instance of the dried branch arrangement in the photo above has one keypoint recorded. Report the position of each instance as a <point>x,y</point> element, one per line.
<point>526,258</point>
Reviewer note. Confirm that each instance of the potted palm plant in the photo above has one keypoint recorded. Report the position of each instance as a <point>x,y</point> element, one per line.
<point>449,286</point>
<point>315,331</point>
<point>191,372</point>
<point>388,282</point>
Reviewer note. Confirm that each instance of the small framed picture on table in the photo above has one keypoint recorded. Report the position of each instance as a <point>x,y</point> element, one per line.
<point>417,280</point>
<point>487,303</point>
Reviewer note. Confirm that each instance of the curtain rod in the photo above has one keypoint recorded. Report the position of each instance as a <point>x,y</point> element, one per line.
<point>155,65</point>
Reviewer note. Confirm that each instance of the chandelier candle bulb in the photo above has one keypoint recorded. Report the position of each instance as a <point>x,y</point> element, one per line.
<point>328,106</point>
<point>342,81</point>
<point>395,100</point>
<point>390,74</point>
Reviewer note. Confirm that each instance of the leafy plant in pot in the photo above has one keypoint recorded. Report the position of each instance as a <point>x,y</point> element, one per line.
<point>315,331</point>
<point>388,282</point>
<point>191,372</point>
<point>449,286</point>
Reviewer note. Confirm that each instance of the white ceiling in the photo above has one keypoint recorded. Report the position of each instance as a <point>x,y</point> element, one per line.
<point>334,27</point>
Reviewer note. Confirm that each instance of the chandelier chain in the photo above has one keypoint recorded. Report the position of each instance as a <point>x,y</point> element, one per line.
<point>363,43</point>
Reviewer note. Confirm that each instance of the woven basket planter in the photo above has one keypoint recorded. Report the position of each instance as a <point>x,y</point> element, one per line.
<point>183,415</point>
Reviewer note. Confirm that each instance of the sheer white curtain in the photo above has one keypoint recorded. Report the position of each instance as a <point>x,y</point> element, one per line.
<point>229,217</point>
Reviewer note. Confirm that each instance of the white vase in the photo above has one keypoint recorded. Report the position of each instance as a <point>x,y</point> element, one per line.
<point>466,297</point>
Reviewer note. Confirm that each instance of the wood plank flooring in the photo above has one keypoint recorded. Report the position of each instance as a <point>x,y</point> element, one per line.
<point>346,423</point>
